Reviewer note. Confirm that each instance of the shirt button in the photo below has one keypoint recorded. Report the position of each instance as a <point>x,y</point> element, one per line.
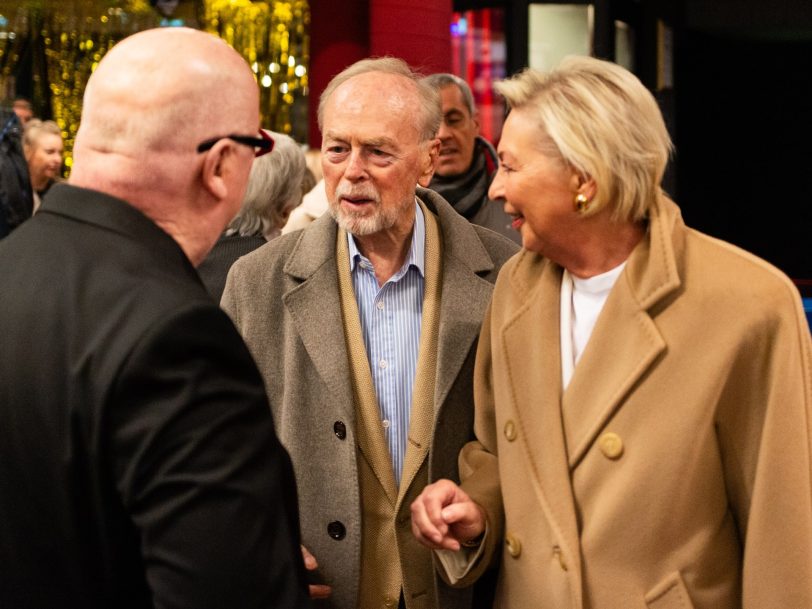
<point>382,363</point>
<point>510,430</point>
<point>386,423</point>
<point>380,304</point>
<point>340,430</point>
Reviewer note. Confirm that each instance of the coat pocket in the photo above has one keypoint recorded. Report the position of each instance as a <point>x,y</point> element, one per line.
<point>670,593</point>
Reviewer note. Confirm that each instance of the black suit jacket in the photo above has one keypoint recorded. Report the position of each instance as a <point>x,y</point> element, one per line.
<point>138,462</point>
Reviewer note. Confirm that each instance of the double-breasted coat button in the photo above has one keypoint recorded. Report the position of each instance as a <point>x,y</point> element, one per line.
<point>611,445</point>
<point>340,430</point>
<point>510,430</point>
<point>514,546</point>
<point>336,530</point>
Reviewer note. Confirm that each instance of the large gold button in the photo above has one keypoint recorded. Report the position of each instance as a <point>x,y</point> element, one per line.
<point>611,445</point>
<point>510,430</point>
<point>514,546</point>
<point>389,602</point>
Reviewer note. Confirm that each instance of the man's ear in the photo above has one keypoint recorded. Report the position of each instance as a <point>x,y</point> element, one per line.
<point>429,162</point>
<point>213,170</point>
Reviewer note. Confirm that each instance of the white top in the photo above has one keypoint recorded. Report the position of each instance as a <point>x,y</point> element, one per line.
<point>581,303</point>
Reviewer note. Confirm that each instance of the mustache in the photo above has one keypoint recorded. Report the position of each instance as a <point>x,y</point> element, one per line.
<point>357,191</point>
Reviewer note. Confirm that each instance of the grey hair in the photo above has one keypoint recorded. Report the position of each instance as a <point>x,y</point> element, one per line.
<point>428,96</point>
<point>441,80</point>
<point>35,127</point>
<point>274,188</point>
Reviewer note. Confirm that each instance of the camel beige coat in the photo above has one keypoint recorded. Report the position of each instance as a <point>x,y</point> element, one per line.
<point>674,472</point>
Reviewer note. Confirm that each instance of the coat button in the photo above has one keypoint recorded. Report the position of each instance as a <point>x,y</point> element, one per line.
<point>611,445</point>
<point>510,430</point>
<point>340,430</point>
<point>336,530</point>
<point>514,546</point>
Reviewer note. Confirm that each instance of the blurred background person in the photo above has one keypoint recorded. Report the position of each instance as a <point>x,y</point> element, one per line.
<point>42,145</point>
<point>274,190</point>
<point>23,109</point>
<point>16,200</point>
<point>642,390</point>
<point>467,161</point>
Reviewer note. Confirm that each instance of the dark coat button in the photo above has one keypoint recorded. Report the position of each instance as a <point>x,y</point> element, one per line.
<point>340,430</point>
<point>336,530</point>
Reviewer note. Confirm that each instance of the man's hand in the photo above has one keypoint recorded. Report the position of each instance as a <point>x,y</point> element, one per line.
<point>317,591</point>
<point>444,515</point>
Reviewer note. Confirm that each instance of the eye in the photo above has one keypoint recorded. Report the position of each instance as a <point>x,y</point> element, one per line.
<point>335,149</point>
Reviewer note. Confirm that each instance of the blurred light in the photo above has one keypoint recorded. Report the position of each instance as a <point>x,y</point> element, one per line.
<point>460,28</point>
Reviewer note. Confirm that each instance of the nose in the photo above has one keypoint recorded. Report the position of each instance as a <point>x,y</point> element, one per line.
<point>496,192</point>
<point>356,167</point>
<point>444,132</point>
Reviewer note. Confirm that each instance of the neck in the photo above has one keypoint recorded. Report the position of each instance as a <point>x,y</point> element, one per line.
<point>386,250</point>
<point>175,209</point>
<point>602,247</point>
<point>39,182</point>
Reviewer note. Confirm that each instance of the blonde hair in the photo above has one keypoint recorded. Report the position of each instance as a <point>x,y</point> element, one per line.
<point>36,127</point>
<point>428,97</point>
<point>601,120</point>
<point>274,188</point>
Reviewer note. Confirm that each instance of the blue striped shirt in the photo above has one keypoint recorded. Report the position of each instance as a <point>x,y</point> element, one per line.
<point>390,322</point>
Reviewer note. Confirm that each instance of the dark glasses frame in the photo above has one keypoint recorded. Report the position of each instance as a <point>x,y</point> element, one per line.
<point>261,145</point>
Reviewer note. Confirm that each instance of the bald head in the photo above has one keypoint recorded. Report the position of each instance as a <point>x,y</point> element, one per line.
<point>155,97</point>
<point>161,92</point>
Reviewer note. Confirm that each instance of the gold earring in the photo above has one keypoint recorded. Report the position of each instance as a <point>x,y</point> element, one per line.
<point>581,203</point>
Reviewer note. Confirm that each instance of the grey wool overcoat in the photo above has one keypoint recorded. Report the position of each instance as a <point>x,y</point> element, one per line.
<point>284,298</point>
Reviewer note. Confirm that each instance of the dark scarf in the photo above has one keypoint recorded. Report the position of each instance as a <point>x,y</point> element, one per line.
<point>468,192</point>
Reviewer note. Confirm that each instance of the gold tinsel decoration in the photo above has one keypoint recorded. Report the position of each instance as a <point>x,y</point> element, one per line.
<point>75,34</point>
<point>273,37</point>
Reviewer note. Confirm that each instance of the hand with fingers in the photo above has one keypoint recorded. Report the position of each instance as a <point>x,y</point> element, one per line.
<point>317,591</point>
<point>444,517</point>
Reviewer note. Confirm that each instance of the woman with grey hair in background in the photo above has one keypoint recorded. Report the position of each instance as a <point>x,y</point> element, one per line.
<point>275,188</point>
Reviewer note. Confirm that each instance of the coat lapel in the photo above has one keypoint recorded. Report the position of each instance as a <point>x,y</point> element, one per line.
<point>626,342</point>
<point>465,295</point>
<point>314,307</point>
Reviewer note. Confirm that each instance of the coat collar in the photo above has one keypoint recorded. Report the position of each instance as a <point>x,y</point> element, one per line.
<point>625,342</point>
<point>314,307</point>
<point>108,212</point>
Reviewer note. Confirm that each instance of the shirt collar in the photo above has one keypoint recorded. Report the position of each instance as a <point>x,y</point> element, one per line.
<point>417,251</point>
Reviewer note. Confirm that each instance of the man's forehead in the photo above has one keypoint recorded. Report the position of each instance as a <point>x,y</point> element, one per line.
<point>373,91</point>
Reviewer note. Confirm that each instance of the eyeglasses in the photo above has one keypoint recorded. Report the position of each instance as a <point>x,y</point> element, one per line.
<point>261,145</point>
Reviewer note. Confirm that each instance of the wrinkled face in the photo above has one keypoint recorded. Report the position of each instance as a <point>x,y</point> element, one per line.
<point>457,134</point>
<point>372,156</point>
<point>45,157</point>
<point>538,189</point>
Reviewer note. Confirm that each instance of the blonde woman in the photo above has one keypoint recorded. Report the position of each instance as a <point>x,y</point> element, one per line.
<point>42,146</point>
<point>642,390</point>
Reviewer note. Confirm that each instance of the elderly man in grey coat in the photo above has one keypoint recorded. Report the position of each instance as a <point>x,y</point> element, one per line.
<point>364,326</point>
